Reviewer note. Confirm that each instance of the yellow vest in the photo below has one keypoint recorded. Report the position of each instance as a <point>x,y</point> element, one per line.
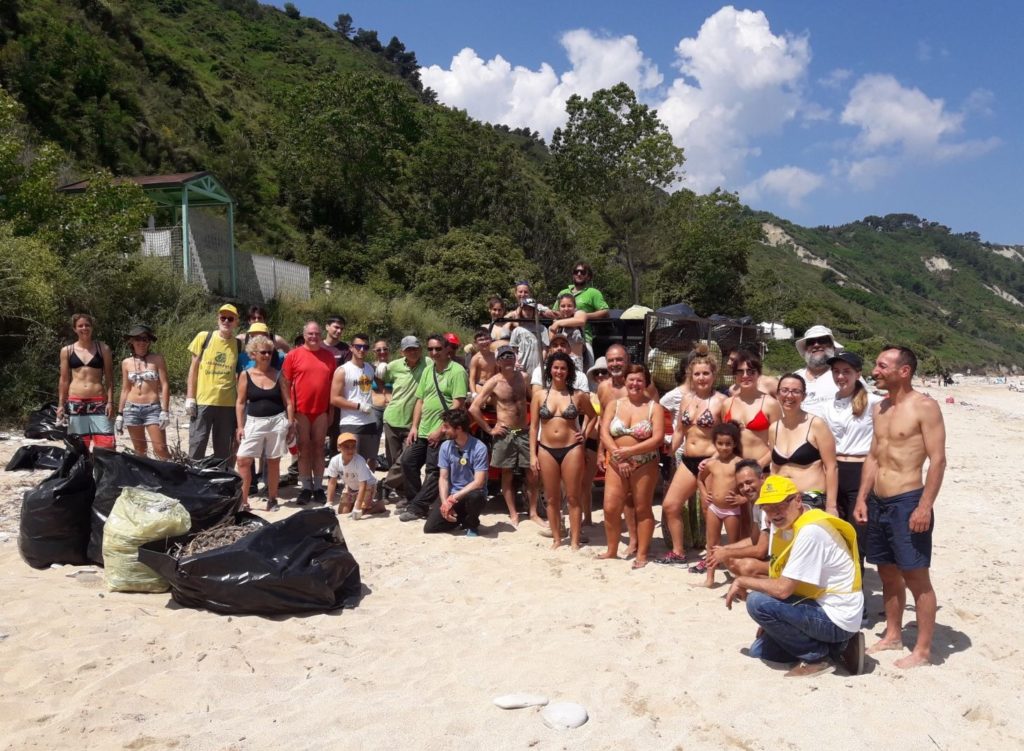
<point>781,549</point>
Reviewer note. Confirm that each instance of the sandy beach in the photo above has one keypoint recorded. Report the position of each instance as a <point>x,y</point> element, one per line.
<point>448,623</point>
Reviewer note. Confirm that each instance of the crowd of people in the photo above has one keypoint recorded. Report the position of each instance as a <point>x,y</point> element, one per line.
<point>808,474</point>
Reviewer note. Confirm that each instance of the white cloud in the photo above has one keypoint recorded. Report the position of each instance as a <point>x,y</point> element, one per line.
<point>739,81</point>
<point>899,125</point>
<point>792,184</point>
<point>835,78</point>
<point>495,91</point>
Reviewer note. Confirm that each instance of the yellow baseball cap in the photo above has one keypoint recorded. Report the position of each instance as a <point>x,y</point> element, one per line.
<point>346,437</point>
<point>228,308</point>
<point>258,328</point>
<point>776,489</point>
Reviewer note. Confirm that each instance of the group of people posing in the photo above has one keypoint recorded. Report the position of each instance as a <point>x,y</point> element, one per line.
<point>532,400</point>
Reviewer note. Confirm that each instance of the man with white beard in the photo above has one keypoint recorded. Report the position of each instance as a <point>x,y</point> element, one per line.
<point>816,347</point>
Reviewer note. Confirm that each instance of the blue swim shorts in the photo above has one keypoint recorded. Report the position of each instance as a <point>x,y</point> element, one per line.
<point>888,539</point>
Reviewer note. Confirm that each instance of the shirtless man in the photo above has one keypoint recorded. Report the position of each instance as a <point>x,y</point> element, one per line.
<point>510,442</point>
<point>483,364</point>
<point>897,509</point>
<point>612,389</point>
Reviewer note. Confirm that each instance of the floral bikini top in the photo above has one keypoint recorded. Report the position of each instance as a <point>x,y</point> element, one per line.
<point>641,431</point>
<point>706,419</point>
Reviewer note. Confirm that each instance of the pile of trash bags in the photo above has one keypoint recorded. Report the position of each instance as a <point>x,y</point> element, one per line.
<point>135,516</point>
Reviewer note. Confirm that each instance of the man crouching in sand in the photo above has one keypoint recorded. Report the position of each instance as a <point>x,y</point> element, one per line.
<point>897,509</point>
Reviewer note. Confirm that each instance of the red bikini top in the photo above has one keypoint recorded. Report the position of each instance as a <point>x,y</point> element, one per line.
<point>760,421</point>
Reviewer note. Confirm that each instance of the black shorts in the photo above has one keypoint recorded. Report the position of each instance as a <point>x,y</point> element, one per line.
<point>889,540</point>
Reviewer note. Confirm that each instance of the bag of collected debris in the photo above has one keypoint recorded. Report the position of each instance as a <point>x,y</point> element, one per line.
<point>138,517</point>
<point>55,515</point>
<point>209,495</point>
<point>35,457</point>
<point>297,565</point>
<point>42,424</point>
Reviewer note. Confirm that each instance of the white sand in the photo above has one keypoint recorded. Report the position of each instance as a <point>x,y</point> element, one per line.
<point>449,623</point>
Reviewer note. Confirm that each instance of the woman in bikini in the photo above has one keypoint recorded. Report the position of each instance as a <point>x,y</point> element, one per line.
<point>632,430</point>
<point>803,448</point>
<point>558,453</point>
<point>145,395</point>
<point>500,329</point>
<point>85,393</point>
<point>699,412</point>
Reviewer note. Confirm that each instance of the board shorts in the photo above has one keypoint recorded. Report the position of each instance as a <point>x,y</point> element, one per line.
<point>512,450</point>
<point>87,419</point>
<point>888,539</point>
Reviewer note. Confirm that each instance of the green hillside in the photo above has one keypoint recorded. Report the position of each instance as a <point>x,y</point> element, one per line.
<point>339,159</point>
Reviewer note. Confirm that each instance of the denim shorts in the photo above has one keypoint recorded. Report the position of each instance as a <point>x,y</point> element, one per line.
<point>888,539</point>
<point>138,415</point>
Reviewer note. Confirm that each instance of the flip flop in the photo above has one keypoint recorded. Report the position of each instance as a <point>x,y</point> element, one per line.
<point>700,567</point>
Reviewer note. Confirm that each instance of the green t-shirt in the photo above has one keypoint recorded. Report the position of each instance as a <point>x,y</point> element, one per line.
<point>454,383</point>
<point>405,381</point>
<point>589,300</point>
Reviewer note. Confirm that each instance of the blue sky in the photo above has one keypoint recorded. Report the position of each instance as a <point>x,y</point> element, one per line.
<point>819,112</point>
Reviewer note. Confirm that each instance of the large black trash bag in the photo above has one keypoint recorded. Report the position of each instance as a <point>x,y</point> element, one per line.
<point>42,424</point>
<point>36,457</point>
<point>297,565</point>
<point>209,495</point>
<point>55,515</point>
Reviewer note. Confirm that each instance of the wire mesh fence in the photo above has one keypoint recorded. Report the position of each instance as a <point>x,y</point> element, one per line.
<point>671,338</point>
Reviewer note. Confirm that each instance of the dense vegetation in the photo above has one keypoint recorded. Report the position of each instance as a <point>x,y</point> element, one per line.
<point>340,159</point>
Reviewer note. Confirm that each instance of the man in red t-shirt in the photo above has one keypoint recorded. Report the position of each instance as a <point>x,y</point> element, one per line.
<point>309,370</point>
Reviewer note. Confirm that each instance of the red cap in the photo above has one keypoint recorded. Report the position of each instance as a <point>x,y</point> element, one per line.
<point>452,339</point>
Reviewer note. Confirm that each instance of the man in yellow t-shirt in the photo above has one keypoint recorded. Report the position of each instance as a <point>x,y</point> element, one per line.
<point>210,397</point>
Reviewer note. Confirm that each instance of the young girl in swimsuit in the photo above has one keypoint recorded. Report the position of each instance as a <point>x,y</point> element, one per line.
<point>85,393</point>
<point>145,395</point>
<point>632,430</point>
<point>558,453</point>
<point>803,448</point>
<point>717,479</point>
<point>699,412</point>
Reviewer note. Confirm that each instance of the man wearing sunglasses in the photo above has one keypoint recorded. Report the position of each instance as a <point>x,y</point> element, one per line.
<point>210,391</point>
<point>352,396</point>
<point>588,299</point>
<point>816,347</point>
<point>809,606</point>
<point>443,386</point>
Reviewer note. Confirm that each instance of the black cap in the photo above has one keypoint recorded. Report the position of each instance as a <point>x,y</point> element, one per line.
<point>850,358</point>
<point>140,329</point>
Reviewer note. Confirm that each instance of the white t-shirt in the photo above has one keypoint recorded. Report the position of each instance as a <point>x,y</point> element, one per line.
<point>819,557</point>
<point>853,434</point>
<point>581,383</point>
<point>524,341</point>
<point>357,389</point>
<point>820,391</point>
<point>351,474</point>
<point>671,401</point>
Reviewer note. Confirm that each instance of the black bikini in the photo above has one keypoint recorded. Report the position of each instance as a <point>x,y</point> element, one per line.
<point>805,454</point>
<point>75,362</point>
<point>569,413</point>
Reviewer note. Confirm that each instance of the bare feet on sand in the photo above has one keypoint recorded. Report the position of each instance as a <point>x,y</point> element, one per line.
<point>538,521</point>
<point>631,549</point>
<point>913,660</point>
<point>884,645</point>
<point>639,563</point>
<point>606,556</point>
<point>514,520</point>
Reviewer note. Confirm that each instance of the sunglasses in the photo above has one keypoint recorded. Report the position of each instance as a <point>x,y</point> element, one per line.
<point>579,271</point>
<point>361,347</point>
<point>435,349</point>
<point>824,340</point>
<point>265,352</point>
<point>228,319</point>
<point>791,392</point>
<point>382,351</point>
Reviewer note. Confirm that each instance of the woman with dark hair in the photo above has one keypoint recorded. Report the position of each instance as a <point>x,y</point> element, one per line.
<point>632,430</point>
<point>85,392</point>
<point>850,419</point>
<point>145,394</point>
<point>558,452</point>
<point>699,412</point>
<point>753,409</point>
<point>803,448</point>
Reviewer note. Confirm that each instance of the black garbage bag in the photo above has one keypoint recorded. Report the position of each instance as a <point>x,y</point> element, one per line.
<point>55,515</point>
<point>209,495</point>
<point>42,424</point>
<point>36,457</point>
<point>297,565</point>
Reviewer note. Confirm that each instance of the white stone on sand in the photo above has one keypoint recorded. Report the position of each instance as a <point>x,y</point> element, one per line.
<point>520,701</point>
<point>564,715</point>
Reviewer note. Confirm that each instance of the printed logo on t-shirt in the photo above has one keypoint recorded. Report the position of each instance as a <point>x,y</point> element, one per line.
<point>364,383</point>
